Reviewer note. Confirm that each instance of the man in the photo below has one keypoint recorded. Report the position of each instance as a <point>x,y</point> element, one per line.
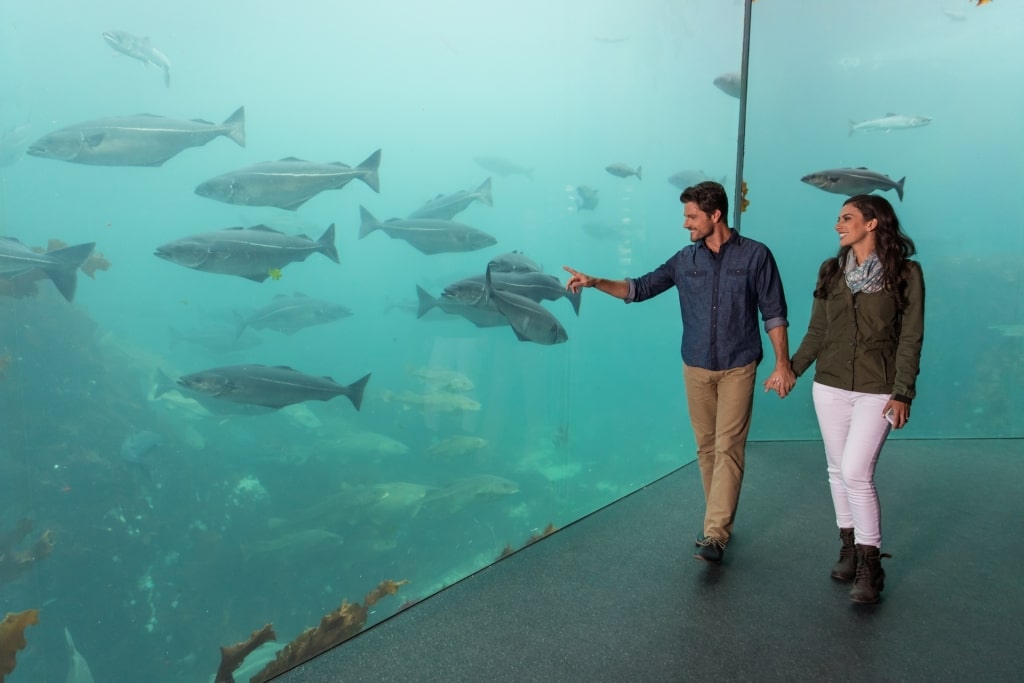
<point>723,279</point>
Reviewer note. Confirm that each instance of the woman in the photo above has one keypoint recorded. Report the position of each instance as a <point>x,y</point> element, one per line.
<point>865,334</point>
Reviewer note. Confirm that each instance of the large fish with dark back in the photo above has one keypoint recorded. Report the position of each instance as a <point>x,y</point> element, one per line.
<point>60,265</point>
<point>529,320</point>
<point>289,314</point>
<point>428,235</point>
<point>270,386</point>
<point>288,183</point>
<point>853,181</point>
<point>252,253</point>
<point>140,140</point>
<point>534,286</point>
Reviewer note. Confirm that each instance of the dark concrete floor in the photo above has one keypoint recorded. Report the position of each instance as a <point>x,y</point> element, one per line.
<point>618,596</point>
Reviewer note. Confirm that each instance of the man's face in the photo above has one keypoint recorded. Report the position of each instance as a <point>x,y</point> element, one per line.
<point>697,222</point>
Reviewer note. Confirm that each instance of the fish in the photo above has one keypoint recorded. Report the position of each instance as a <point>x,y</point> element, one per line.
<point>685,179</point>
<point>441,379</point>
<point>729,83</point>
<point>514,262</point>
<point>853,181</point>
<point>481,314</point>
<point>305,543</point>
<point>60,265</point>
<point>534,286</point>
<point>139,444</point>
<point>13,143</point>
<point>456,446</point>
<point>289,314</point>
<point>530,321</point>
<point>979,3</point>
<point>623,171</point>
<point>447,207</point>
<point>270,386</point>
<point>78,668</point>
<point>140,49</point>
<point>139,140</point>
<point>503,166</point>
<point>246,252</point>
<point>365,443</point>
<point>586,198</point>
<point>436,401</point>
<point>287,183</point>
<point>217,339</point>
<point>890,122</point>
<point>428,235</point>
<point>461,492</point>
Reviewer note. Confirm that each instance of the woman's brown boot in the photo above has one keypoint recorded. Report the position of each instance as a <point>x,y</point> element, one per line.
<point>870,579</point>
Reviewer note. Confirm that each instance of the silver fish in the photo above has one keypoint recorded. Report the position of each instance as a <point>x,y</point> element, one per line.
<point>251,253</point>
<point>447,207</point>
<point>140,140</point>
<point>289,314</point>
<point>853,181</point>
<point>78,668</point>
<point>60,265</point>
<point>624,171</point>
<point>534,286</point>
<point>428,235</point>
<point>288,183</point>
<point>503,166</point>
<point>586,199</point>
<point>140,49</point>
<point>514,262</point>
<point>270,386</point>
<point>890,122</point>
<point>529,320</point>
<point>729,83</point>
<point>480,312</point>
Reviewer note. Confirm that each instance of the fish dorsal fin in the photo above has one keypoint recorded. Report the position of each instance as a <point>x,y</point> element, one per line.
<point>10,239</point>
<point>339,164</point>
<point>204,122</point>
<point>284,367</point>
<point>265,228</point>
<point>292,159</point>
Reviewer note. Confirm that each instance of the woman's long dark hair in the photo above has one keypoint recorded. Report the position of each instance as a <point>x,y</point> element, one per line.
<point>892,245</point>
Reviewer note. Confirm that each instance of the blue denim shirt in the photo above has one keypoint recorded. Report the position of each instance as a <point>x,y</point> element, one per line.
<point>719,297</point>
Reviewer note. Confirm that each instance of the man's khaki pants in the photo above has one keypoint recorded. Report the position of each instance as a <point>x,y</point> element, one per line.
<point>720,403</point>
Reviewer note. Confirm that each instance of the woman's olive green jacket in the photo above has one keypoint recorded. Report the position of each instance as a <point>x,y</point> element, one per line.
<point>861,342</point>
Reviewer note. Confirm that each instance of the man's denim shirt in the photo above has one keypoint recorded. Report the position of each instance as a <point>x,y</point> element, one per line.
<point>719,296</point>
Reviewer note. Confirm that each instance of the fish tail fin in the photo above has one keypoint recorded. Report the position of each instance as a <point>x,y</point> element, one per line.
<point>574,298</point>
<point>369,167</point>
<point>163,384</point>
<point>426,301</point>
<point>899,187</point>
<point>639,172</point>
<point>64,274</point>
<point>355,390</point>
<point>326,243</point>
<point>484,192</point>
<point>235,123</point>
<point>367,222</point>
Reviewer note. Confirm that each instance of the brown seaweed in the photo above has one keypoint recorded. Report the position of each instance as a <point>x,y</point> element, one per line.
<point>335,627</point>
<point>13,562</point>
<point>12,638</point>
<point>231,657</point>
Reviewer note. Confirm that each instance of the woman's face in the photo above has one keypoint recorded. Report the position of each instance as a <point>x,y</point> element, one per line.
<point>854,230</point>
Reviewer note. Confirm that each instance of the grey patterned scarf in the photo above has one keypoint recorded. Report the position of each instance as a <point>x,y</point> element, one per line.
<point>867,277</point>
